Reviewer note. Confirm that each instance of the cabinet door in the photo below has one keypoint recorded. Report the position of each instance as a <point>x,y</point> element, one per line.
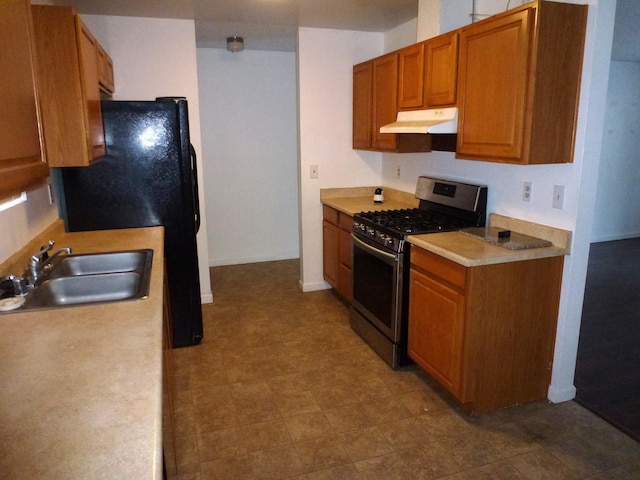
<point>88,50</point>
<point>21,161</point>
<point>105,71</point>
<point>385,99</point>
<point>362,105</point>
<point>436,328</point>
<point>410,77</point>
<point>441,71</point>
<point>344,277</point>
<point>330,247</point>
<point>493,87</point>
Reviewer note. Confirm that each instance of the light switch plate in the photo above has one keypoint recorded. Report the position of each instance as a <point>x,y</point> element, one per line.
<point>558,197</point>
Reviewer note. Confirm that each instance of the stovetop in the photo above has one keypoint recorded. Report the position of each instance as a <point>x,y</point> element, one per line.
<point>409,221</point>
<point>444,206</point>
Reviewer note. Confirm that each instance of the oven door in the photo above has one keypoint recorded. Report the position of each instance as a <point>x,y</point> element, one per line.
<point>377,287</point>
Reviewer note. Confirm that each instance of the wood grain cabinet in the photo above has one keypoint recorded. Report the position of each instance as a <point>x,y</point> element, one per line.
<point>71,75</point>
<point>410,77</point>
<point>441,71</point>
<point>385,100</point>
<point>362,105</point>
<point>375,103</point>
<point>336,243</point>
<point>22,164</point>
<point>485,333</point>
<point>519,83</point>
<point>428,72</point>
<point>105,72</point>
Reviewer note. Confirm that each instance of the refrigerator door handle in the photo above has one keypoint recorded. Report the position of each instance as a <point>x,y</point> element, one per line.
<point>194,183</point>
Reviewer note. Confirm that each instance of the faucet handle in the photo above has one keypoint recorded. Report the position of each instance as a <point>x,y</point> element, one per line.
<point>18,283</point>
<point>42,255</point>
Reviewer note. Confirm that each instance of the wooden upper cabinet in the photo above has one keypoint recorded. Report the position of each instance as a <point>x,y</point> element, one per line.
<point>410,77</point>
<point>21,154</point>
<point>105,72</point>
<point>375,87</point>
<point>519,82</point>
<point>385,99</point>
<point>68,82</point>
<point>441,71</point>
<point>427,73</point>
<point>90,80</point>
<point>362,105</point>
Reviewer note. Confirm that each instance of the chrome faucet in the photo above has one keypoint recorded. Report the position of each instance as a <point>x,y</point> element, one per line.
<point>41,262</point>
<point>37,260</point>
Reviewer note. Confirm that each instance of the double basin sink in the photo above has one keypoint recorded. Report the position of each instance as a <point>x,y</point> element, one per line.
<point>83,279</point>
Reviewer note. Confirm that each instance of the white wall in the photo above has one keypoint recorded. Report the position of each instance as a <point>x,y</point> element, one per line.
<point>20,223</point>
<point>401,36</point>
<point>325,68</point>
<point>250,154</point>
<point>617,208</point>
<point>154,58</point>
<point>505,181</point>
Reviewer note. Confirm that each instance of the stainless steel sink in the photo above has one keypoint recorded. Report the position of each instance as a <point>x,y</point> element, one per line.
<point>85,289</point>
<point>92,278</point>
<point>96,263</point>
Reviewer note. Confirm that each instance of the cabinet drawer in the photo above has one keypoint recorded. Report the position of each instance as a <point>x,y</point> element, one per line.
<point>330,214</point>
<point>437,266</point>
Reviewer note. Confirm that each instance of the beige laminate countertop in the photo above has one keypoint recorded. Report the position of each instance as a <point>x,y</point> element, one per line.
<point>472,252</point>
<point>81,387</point>
<point>360,199</point>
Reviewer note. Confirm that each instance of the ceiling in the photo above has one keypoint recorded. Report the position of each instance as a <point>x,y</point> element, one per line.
<point>264,24</point>
<point>272,24</point>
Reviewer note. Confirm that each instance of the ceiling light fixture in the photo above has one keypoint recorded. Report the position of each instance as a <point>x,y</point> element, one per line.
<point>235,44</point>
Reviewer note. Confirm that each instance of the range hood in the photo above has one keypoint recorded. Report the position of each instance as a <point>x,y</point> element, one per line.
<point>435,120</point>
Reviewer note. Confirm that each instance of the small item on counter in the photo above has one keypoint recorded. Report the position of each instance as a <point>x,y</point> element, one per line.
<point>378,197</point>
<point>504,234</point>
<point>11,303</point>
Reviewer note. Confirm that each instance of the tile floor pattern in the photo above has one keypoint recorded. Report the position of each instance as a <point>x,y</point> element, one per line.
<point>282,388</point>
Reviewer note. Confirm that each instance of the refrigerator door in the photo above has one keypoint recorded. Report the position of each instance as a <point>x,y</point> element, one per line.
<point>146,179</point>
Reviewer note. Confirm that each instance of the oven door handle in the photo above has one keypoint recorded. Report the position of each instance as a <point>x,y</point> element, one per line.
<point>374,251</point>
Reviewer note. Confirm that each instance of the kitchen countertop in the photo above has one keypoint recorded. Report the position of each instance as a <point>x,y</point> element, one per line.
<point>472,252</point>
<point>360,199</point>
<point>81,387</point>
<point>454,246</point>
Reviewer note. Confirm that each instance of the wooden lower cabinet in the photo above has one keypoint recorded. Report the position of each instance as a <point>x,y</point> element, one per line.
<point>336,244</point>
<point>168,428</point>
<point>485,333</point>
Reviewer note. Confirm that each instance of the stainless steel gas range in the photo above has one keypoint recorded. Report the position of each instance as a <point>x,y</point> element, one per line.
<point>381,258</point>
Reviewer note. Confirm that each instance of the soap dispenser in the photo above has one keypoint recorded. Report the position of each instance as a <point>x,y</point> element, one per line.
<point>378,197</point>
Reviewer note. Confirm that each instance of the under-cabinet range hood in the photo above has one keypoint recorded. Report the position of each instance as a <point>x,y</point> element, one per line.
<point>435,120</point>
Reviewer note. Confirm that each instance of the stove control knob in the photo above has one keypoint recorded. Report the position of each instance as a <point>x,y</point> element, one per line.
<point>371,231</point>
<point>356,225</point>
<point>388,240</point>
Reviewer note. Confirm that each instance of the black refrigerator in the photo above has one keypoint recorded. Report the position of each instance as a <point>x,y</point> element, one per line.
<point>147,178</point>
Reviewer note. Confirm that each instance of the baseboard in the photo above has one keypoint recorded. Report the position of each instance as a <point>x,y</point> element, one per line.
<point>559,395</point>
<point>313,287</point>
<point>206,297</point>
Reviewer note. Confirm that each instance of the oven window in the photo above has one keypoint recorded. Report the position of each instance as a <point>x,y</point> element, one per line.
<point>374,287</point>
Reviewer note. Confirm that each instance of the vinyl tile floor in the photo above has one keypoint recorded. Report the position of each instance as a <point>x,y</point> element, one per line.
<point>281,388</point>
